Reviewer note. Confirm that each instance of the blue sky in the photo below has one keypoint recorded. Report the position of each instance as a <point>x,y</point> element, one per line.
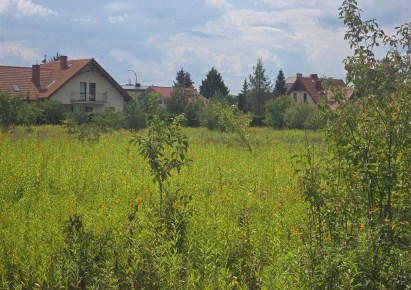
<point>157,38</point>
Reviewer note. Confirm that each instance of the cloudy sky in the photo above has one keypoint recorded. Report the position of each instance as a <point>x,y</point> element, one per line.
<point>157,38</point>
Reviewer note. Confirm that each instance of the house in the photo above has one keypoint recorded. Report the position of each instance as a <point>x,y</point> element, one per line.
<point>75,83</point>
<point>134,90</point>
<point>307,88</point>
<point>165,93</point>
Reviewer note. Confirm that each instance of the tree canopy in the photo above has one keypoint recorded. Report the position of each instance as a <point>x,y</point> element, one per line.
<point>279,87</point>
<point>212,84</point>
<point>260,88</point>
<point>183,79</point>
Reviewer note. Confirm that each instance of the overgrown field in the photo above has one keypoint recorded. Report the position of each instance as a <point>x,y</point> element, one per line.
<point>85,215</point>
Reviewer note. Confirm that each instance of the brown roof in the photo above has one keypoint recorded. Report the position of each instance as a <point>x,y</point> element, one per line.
<point>313,85</point>
<point>166,93</point>
<point>53,76</point>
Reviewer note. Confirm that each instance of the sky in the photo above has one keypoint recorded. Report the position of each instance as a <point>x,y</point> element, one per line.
<point>158,38</point>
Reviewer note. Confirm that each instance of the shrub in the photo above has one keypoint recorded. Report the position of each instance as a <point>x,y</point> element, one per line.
<point>52,112</point>
<point>275,111</point>
<point>134,115</point>
<point>9,110</point>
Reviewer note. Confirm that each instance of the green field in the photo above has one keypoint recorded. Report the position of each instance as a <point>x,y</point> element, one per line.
<point>85,215</point>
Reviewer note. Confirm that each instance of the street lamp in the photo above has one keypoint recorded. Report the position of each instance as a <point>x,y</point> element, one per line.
<point>135,84</point>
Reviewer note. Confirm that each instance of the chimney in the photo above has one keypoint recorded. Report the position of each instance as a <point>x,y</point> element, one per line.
<point>35,74</point>
<point>299,75</point>
<point>314,76</point>
<point>63,62</point>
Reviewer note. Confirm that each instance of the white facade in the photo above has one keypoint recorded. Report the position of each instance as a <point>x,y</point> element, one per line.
<point>301,97</point>
<point>106,96</point>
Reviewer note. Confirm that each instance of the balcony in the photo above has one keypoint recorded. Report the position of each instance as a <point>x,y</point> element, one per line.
<point>77,98</point>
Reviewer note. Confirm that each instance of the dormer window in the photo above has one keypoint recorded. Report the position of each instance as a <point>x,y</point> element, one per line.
<point>15,87</point>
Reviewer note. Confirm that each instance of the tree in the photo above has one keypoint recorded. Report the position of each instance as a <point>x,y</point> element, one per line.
<point>10,107</point>
<point>134,115</point>
<point>52,112</point>
<point>358,189</point>
<point>279,88</point>
<point>243,96</point>
<point>260,87</point>
<point>212,84</point>
<point>183,79</point>
<point>177,102</point>
<point>275,111</point>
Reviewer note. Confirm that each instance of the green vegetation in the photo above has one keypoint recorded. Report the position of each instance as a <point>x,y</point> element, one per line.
<point>85,215</point>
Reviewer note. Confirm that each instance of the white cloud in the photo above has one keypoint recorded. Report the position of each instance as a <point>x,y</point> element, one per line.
<point>120,6</point>
<point>5,6</point>
<point>9,49</point>
<point>24,8</point>
<point>84,20</point>
<point>118,19</point>
<point>220,4</point>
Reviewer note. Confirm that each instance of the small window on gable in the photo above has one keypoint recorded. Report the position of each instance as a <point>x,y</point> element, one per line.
<point>295,97</point>
<point>305,97</point>
<point>15,87</point>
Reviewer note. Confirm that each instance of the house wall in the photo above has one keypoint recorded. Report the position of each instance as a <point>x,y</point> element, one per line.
<point>103,86</point>
<point>300,97</point>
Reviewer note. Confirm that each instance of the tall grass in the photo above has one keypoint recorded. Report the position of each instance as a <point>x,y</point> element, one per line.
<point>83,215</point>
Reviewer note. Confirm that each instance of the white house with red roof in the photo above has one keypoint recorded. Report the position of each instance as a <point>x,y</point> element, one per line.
<point>307,89</point>
<point>79,82</point>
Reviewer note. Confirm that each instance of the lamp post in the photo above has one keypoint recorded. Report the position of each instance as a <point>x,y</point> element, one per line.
<point>135,84</point>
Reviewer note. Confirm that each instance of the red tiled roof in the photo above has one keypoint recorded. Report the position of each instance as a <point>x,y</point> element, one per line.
<point>166,93</point>
<point>52,78</point>
<point>313,86</point>
<point>163,91</point>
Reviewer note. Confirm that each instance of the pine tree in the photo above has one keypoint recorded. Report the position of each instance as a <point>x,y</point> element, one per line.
<point>183,79</point>
<point>213,84</point>
<point>242,97</point>
<point>279,88</point>
<point>260,87</point>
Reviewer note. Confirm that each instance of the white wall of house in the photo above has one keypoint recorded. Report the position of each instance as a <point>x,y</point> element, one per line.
<point>298,96</point>
<point>106,95</point>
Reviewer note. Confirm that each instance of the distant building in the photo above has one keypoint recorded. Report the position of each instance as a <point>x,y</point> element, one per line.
<point>75,83</point>
<point>165,93</point>
<point>134,90</point>
<point>306,89</point>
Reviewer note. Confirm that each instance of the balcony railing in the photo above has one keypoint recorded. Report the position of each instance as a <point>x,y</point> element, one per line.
<point>95,99</point>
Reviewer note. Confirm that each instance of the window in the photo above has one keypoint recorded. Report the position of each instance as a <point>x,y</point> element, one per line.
<point>92,91</point>
<point>83,91</point>
<point>305,97</point>
<point>89,109</point>
<point>295,97</point>
<point>15,87</point>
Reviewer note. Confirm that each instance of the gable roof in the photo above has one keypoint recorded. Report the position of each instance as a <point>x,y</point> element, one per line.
<point>53,76</point>
<point>312,85</point>
<point>166,93</point>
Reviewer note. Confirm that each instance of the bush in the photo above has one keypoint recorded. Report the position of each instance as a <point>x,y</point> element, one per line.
<point>301,116</point>
<point>275,111</point>
<point>134,115</point>
<point>10,107</point>
<point>52,112</point>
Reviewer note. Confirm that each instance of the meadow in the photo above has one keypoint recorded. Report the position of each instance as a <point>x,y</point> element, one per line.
<point>77,214</point>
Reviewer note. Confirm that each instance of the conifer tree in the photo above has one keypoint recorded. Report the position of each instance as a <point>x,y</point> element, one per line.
<point>242,97</point>
<point>279,88</point>
<point>213,84</point>
<point>260,87</point>
<point>183,79</point>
